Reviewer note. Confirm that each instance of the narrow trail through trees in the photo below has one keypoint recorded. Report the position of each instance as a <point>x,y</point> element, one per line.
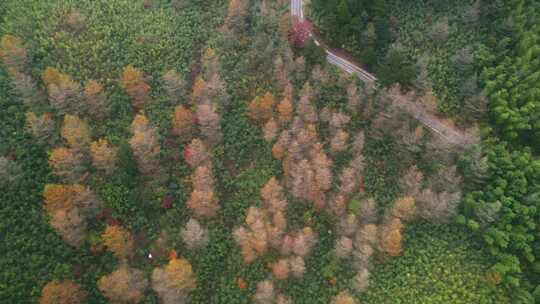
<point>441,127</point>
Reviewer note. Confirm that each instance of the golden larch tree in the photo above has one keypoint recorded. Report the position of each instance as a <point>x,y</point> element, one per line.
<point>65,94</point>
<point>71,225</point>
<point>404,208</point>
<point>69,207</point>
<point>64,292</point>
<point>119,241</point>
<point>104,156</point>
<point>285,109</point>
<point>145,145</point>
<point>280,269</point>
<point>76,132</point>
<point>96,100</point>
<point>67,164</point>
<point>13,52</point>
<point>344,297</point>
<point>262,108</point>
<point>63,197</point>
<point>124,285</point>
<point>175,281</point>
<point>182,122</point>
<point>391,237</point>
<point>203,201</point>
<point>198,90</point>
<point>140,123</point>
<point>133,81</point>
<point>51,76</point>
<point>270,130</point>
<point>209,122</point>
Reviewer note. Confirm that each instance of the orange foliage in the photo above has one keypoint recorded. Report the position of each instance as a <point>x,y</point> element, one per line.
<point>199,87</point>
<point>67,164</point>
<point>70,225</point>
<point>69,207</point>
<point>182,123</point>
<point>61,197</point>
<point>124,285</point>
<point>51,76</point>
<point>140,123</point>
<point>285,25</point>
<point>261,108</point>
<point>253,241</point>
<point>270,130</point>
<point>145,145</point>
<point>285,110</point>
<point>95,99</point>
<point>391,237</point>
<point>203,201</point>
<point>65,292</point>
<point>76,132</point>
<point>242,285</point>
<point>339,140</point>
<point>12,52</point>
<point>196,153</point>
<point>64,93</point>
<point>209,120</point>
<point>174,281</point>
<point>343,298</point>
<point>92,88</point>
<point>173,255</point>
<point>278,151</point>
<point>103,156</point>
<point>404,208</point>
<point>280,269</point>
<point>118,240</point>
<point>133,81</point>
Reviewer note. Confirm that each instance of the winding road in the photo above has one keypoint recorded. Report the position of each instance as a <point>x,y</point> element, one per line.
<point>439,126</point>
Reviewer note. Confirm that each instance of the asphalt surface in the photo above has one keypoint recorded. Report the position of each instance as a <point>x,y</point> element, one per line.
<point>439,126</point>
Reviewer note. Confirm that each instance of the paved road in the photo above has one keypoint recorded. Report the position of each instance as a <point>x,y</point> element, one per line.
<point>434,123</point>
<point>437,125</point>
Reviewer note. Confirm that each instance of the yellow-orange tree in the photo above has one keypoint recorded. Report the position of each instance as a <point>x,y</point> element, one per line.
<point>65,292</point>
<point>133,81</point>
<point>124,285</point>
<point>175,281</point>
<point>119,241</point>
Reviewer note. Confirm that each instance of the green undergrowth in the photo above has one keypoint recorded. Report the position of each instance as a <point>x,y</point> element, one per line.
<point>440,264</point>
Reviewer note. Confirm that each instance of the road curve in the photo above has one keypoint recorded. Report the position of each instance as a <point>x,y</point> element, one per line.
<point>437,125</point>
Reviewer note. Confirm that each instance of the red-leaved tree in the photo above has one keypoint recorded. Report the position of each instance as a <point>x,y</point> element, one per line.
<point>301,33</point>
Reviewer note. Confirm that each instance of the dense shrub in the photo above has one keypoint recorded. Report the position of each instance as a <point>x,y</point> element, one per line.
<point>438,264</point>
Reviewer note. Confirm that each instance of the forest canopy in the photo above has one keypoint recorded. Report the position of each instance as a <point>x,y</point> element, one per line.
<point>187,151</point>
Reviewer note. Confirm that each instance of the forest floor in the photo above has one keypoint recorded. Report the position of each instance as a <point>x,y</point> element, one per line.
<point>444,128</point>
